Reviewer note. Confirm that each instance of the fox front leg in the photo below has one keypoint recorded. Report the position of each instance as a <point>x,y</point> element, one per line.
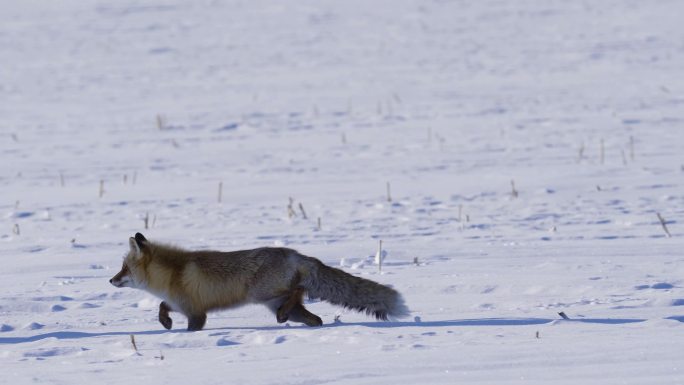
<point>164,318</point>
<point>196,322</point>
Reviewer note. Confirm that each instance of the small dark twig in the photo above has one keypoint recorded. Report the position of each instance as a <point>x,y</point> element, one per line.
<point>514,192</point>
<point>662,222</point>
<point>135,347</point>
<point>290,211</point>
<point>161,122</point>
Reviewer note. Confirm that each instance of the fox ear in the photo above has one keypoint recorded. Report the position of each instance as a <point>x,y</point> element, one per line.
<point>135,249</point>
<point>138,244</point>
<point>140,240</point>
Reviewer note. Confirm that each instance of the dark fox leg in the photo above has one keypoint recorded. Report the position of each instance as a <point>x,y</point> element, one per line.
<point>196,322</point>
<point>293,309</point>
<point>298,313</point>
<point>164,318</point>
<point>294,298</point>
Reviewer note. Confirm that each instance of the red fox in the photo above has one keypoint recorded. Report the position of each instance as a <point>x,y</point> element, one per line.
<point>196,282</point>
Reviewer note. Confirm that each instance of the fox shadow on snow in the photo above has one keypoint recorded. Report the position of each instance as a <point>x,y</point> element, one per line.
<point>67,335</point>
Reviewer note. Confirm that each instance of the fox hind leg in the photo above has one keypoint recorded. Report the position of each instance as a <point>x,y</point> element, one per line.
<point>292,309</point>
<point>294,298</point>
<point>164,318</point>
<point>300,314</point>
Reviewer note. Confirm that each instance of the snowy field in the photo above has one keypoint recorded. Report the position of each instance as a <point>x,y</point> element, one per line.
<point>116,111</point>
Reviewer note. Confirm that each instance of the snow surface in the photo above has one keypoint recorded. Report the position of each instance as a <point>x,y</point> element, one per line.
<point>326,102</point>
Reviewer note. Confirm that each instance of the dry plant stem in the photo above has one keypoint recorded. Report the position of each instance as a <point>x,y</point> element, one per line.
<point>662,223</point>
<point>514,192</point>
<point>290,211</point>
<point>135,347</point>
<point>380,256</point>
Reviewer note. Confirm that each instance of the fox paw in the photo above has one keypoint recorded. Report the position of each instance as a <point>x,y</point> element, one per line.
<point>313,321</point>
<point>166,322</point>
<point>282,317</point>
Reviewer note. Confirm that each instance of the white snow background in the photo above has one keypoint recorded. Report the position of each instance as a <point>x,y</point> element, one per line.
<point>580,103</point>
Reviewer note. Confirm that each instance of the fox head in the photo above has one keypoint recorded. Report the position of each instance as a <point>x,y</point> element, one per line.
<point>131,274</point>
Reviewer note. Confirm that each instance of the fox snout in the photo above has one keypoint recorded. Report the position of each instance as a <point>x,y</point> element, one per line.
<point>117,282</point>
<point>122,278</point>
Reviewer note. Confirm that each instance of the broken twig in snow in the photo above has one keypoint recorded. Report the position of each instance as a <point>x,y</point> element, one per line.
<point>379,257</point>
<point>662,223</point>
<point>161,122</point>
<point>514,192</point>
<point>135,347</point>
<point>290,210</point>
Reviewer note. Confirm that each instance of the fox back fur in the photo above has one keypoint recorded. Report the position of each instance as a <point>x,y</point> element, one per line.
<point>196,282</point>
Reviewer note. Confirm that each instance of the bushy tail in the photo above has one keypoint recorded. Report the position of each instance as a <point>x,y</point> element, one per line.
<point>363,295</point>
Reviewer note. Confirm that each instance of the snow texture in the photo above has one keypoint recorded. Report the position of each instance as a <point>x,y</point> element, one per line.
<point>530,147</point>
